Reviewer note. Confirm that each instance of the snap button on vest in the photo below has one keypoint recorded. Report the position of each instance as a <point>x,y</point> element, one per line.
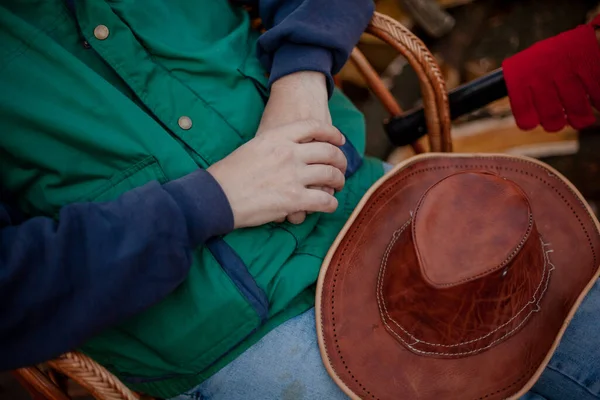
<point>101,32</point>
<point>185,122</point>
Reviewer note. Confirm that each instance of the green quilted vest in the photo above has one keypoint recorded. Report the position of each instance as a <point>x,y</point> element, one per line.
<point>87,124</point>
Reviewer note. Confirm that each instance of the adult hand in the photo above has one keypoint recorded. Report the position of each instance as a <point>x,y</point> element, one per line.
<point>273,175</point>
<point>296,97</point>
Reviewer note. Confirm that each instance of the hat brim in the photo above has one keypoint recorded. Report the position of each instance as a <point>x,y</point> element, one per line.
<point>367,362</point>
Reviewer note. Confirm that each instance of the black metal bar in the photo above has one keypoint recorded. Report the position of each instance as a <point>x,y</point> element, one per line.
<point>411,126</point>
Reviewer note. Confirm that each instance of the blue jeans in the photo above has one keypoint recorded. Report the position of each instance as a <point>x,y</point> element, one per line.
<point>286,364</point>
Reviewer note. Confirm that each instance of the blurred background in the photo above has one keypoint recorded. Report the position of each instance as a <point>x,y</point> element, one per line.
<point>476,36</point>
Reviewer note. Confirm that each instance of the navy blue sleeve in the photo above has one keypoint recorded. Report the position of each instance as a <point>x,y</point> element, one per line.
<point>63,281</point>
<point>310,35</point>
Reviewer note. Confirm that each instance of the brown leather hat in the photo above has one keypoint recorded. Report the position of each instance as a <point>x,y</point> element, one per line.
<point>455,278</point>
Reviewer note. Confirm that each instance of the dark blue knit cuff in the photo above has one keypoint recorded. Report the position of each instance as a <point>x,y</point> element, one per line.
<point>353,157</point>
<point>291,57</point>
<point>204,204</point>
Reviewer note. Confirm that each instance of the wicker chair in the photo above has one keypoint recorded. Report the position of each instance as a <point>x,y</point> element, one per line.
<point>48,381</point>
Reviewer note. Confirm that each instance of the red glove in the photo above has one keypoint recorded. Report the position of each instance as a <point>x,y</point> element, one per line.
<point>553,82</point>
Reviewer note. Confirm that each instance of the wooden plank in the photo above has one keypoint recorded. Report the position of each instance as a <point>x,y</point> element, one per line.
<point>501,135</point>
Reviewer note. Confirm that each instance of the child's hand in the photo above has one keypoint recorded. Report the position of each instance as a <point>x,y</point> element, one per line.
<point>553,82</point>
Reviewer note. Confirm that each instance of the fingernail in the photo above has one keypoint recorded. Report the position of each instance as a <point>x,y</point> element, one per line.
<point>343,139</point>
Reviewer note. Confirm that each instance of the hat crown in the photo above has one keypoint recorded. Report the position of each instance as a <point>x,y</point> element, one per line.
<point>466,271</point>
<point>469,225</point>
